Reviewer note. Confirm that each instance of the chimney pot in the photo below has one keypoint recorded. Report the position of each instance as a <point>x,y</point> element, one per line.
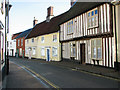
<point>35,21</point>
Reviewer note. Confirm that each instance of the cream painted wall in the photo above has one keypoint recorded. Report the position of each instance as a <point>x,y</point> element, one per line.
<point>48,43</point>
<point>30,44</point>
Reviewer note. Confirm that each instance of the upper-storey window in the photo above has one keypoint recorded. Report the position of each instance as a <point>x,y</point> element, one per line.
<point>33,40</point>
<point>70,27</point>
<point>42,39</point>
<point>54,38</point>
<point>92,18</point>
<point>21,42</point>
<point>18,42</point>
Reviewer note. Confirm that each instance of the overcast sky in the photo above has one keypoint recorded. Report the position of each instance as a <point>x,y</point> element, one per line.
<point>23,12</point>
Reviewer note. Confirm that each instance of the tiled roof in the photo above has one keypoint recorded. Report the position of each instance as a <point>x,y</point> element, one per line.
<point>24,33</point>
<point>53,26</point>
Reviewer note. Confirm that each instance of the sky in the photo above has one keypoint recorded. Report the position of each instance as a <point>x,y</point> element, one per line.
<point>23,12</point>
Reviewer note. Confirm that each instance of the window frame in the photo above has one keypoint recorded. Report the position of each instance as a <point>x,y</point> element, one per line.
<point>55,40</point>
<point>96,46</point>
<point>42,39</point>
<point>42,54</point>
<point>55,54</point>
<point>70,25</point>
<point>90,18</point>
<point>33,52</point>
<point>22,42</point>
<point>72,49</point>
<point>32,40</point>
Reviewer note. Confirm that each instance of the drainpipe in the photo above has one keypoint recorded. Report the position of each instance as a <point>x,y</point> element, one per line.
<point>117,67</point>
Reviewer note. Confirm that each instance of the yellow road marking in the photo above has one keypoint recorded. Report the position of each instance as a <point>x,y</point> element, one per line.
<point>101,76</point>
<point>50,83</point>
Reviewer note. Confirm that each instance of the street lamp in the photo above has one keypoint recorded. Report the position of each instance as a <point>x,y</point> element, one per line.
<point>7,9</point>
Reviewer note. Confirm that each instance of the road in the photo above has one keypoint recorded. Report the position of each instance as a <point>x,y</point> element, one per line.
<point>61,77</point>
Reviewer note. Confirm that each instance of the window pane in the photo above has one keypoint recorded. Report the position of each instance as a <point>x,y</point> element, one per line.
<point>89,14</point>
<point>96,11</point>
<point>92,13</point>
<point>42,52</point>
<point>74,52</point>
<point>94,52</point>
<point>99,51</point>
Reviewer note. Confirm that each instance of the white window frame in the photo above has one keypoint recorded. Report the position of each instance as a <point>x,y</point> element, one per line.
<point>54,51</point>
<point>55,39</point>
<point>72,49</point>
<point>70,27</point>
<point>33,50</point>
<point>26,50</point>
<point>42,39</point>
<point>92,20</point>
<point>42,51</point>
<point>32,40</point>
<point>94,49</point>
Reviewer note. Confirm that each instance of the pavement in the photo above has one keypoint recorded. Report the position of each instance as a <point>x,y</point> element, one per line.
<point>19,78</point>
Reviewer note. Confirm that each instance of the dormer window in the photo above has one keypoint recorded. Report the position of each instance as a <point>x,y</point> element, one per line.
<point>42,39</point>
<point>33,40</point>
<point>92,18</point>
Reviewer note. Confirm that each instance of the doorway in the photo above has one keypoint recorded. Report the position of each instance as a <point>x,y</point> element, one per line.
<point>48,54</point>
<point>82,53</point>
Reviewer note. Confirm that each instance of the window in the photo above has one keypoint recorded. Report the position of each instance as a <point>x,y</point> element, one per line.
<point>54,38</point>
<point>18,42</point>
<point>54,51</point>
<point>42,39</point>
<point>27,41</point>
<point>21,42</point>
<point>20,51</point>
<point>72,50</point>
<point>70,27</point>
<point>26,50</point>
<point>33,51</point>
<point>96,46</point>
<point>42,51</point>
<point>33,40</point>
<point>93,18</point>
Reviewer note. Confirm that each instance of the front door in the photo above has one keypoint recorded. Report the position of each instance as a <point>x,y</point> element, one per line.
<point>12,52</point>
<point>48,54</point>
<point>82,53</point>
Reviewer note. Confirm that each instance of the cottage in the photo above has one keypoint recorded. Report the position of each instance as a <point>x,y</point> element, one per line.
<point>43,40</point>
<point>88,34</point>
<point>20,43</point>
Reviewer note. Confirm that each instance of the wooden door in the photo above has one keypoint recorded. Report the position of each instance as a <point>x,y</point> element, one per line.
<point>82,53</point>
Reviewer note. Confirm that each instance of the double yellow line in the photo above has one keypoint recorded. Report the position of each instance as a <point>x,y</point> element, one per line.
<point>44,79</point>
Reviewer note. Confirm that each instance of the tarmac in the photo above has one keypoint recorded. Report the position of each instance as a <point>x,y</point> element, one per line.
<point>19,78</point>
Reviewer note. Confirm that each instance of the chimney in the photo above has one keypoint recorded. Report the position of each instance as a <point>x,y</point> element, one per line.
<point>49,13</point>
<point>72,2</point>
<point>35,21</point>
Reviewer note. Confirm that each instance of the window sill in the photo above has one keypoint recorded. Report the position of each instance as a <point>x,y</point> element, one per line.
<point>92,27</point>
<point>70,34</point>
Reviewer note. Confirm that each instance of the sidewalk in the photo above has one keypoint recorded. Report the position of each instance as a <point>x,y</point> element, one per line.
<point>19,78</point>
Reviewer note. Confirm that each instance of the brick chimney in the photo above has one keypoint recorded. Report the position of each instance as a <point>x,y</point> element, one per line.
<point>35,21</point>
<point>72,2</point>
<point>49,13</point>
